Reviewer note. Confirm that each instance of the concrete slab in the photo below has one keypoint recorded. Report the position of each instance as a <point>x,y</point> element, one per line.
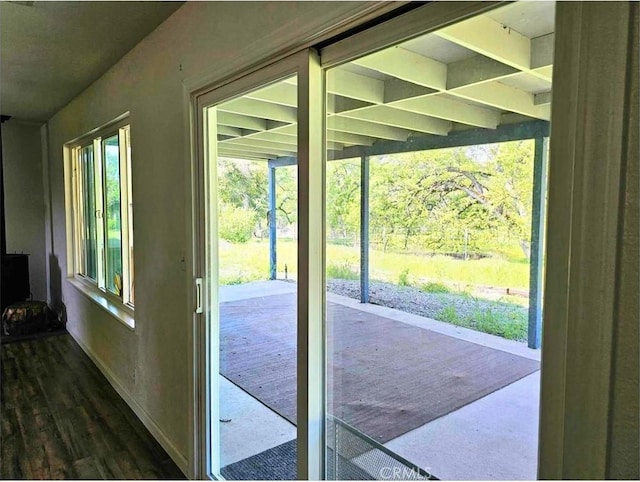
<point>253,427</point>
<point>255,289</point>
<point>494,438</point>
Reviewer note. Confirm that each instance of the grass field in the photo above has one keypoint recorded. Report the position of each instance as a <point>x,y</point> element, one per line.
<point>447,280</point>
<point>240,263</point>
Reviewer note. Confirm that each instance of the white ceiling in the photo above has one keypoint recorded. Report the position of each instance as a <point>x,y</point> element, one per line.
<point>480,73</point>
<point>51,51</point>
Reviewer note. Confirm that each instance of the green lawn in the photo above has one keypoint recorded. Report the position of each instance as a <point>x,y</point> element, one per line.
<point>444,278</point>
<point>240,263</point>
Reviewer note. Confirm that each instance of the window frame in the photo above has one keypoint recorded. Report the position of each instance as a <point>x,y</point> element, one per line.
<point>122,306</point>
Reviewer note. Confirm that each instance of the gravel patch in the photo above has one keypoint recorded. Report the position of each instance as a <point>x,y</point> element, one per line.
<point>434,305</point>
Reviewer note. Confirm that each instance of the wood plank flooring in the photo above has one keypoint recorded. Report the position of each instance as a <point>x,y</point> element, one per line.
<point>61,419</point>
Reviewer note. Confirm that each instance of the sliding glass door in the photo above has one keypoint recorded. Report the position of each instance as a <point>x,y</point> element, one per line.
<point>257,263</point>
<point>372,235</point>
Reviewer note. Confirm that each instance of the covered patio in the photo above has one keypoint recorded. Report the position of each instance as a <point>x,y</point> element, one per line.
<point>481,81</point>
<point>488,405</point>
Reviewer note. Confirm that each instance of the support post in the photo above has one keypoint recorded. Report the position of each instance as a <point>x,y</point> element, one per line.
<point>537,241</point>
<point>364,229</point>
<point>273,260</point>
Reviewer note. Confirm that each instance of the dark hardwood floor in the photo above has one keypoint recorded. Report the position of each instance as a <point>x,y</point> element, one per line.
<point>61,419</point>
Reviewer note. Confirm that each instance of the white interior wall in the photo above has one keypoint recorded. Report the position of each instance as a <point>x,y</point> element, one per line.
<point>24,201</point>
<point>150,365</point>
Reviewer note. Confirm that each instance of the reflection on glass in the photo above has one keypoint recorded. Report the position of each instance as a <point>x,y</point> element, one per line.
<point>111,162</point>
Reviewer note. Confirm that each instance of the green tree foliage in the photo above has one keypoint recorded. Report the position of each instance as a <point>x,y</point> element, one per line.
<point>461,200</point>
<point>343,200</point>
<point>236,224</point>
<point>244,185</point>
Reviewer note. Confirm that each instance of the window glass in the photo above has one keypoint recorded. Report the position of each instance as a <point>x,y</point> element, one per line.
<point>111,156</point>
<point>87,172</point>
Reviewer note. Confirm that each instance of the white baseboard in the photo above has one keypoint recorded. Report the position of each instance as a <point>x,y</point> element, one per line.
<point>179,459</point>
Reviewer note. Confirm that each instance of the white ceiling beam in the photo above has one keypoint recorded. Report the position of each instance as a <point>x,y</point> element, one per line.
<point>452,110</point>
<point>229,131</point>
<point>241,121</point>
<point>260,109</point>
<point>503,97</point>
<point>475,70</point>
<point>370,129</point>
<point>264,144</point>
<point>389,116</point>
<point>542,98</point>
<point>545,72</point>
<point>355,86</point>
<point>542,51</point>
<point>409,66</point>
<point>334,136</point>
<point>237,146</point>
<point>242,157</point>
<point>280,93</point>
<point>284,141</point>
<point>485,36</point>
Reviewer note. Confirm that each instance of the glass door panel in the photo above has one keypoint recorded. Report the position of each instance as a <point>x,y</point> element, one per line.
<point>435,195</point>
<point>252,200</point>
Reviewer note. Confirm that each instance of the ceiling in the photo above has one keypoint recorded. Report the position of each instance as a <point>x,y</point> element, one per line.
<point>481,73</point>
<point>51,51</point>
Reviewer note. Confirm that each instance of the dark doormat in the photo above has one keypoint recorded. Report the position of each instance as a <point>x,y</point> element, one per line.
<point>4,339</point>
<point>385,377</point>
<point>279,463</point>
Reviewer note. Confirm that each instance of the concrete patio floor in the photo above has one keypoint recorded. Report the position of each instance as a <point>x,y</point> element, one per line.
<point>493,438</point>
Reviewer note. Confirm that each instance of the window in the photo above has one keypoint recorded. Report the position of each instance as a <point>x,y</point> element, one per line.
<point>103,214</point>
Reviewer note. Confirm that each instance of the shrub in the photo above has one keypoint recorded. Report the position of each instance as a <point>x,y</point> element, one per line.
<point>432,287</point>
<point>512,326</point>
<point>403,279</point>
<point>343,270</point>
<point>449,314</point>
<point>236,224</point>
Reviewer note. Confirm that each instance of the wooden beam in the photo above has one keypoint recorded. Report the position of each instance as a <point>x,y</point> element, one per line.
<point>260,109</point>
<point>476,70</point>
<point>264,144</point>
<point>407,65</point>
<point>542,98</point>
<point>390,116</point>
<point>288,140</point>
<point>280,93</point>
<point>487,37</point>
<point>452,110</point>
<point>503,97</point>
<point>355,86</point>
<point>241,121</point>
<point>360,127</point>
<point>242,146</point>
<point>228,131</point>
<point>468,137</point>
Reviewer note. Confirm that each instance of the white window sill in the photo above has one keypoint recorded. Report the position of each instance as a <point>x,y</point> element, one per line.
<point>121,312</point>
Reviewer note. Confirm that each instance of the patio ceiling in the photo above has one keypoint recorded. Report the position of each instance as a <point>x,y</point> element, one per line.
<point>488,71</point>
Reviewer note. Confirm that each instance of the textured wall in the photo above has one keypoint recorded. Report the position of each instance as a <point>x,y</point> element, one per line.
<point>201,38</point>
<point>24,199</point>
